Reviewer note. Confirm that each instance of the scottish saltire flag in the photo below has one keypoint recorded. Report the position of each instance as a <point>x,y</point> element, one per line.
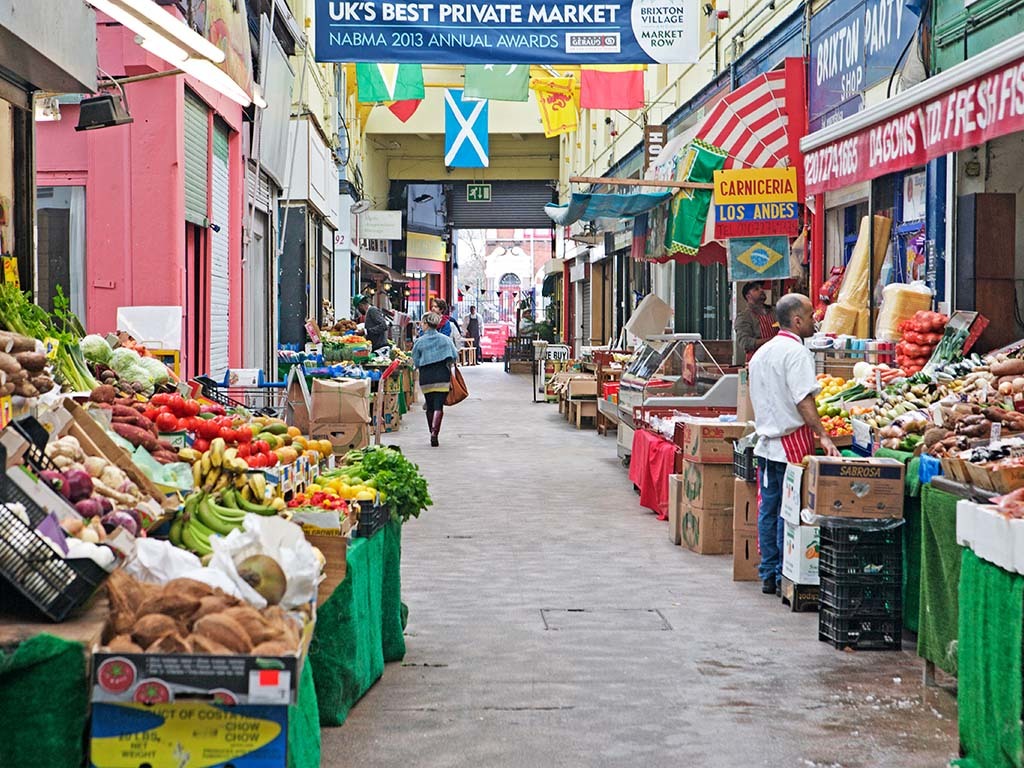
<point>466,142</point>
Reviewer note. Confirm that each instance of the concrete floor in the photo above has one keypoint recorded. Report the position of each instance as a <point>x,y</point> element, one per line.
<point>552,623</point>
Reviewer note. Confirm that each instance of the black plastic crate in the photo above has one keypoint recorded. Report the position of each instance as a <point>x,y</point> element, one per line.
<point>52,584</point>
<point>371,519</point>
<point>744,465</point>
<point>862,633</point>
<point>872,564</point>
<point>876,598</point>
<point>848,538</point>
<point>37,437</point>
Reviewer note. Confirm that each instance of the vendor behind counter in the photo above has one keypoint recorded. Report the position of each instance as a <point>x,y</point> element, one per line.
<point>755,324</point>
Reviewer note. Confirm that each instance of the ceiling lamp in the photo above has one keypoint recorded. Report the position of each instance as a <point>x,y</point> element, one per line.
<point>102,111</point>
<point>175,42</point>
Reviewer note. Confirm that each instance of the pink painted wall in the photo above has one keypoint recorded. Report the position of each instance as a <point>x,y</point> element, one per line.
<point>135,194</point>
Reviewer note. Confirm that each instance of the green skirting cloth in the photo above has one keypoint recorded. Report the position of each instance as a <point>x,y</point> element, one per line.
<point>911,534</point>
<point>44,701</point>
<point>989,683</point>
<point>940,580</point>
<point>360,626</point>
<point>304,724</point>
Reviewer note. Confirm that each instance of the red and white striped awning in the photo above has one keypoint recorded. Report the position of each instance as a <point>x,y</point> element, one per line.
<point>751,124</point>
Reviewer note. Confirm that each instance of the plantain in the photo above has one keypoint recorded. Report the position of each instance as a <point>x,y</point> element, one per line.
<point>247,493</point>
<point>197,474</point>
<point>258,483</point>
<point>219,519</point>
<point>174,536</point>
<point>256,509</point>
<point>211,479</point>
<point>217,448</point>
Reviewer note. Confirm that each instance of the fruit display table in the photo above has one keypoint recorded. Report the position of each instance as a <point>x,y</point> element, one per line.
<point>361,624</point>
<point>44,695</point>
<point>989,650</point>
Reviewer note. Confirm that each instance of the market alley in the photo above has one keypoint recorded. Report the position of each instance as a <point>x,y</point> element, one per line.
<point>553,623</point>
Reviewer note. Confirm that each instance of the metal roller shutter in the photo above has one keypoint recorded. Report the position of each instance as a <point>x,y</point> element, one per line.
<point>220,294</point>
<point>197,138</point>
<point>513,204</point>
<point>586,314</point>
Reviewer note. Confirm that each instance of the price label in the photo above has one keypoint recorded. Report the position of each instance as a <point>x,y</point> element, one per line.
<point>52,346</point>
<point>996,433</point>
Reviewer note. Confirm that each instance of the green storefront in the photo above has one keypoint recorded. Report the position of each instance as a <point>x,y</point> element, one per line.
<point>963,29</point>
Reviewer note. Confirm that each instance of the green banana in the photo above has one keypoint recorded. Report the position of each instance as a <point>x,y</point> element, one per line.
<point>227,499</point>
<point>174,536</point>
<point>196,537</point>
<point>256,509</point>
<point>219,519</point>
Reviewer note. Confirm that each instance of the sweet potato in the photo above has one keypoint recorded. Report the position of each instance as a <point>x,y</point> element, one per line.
<point>1011,367</point>
<point>135,435</point>
<point>17,342</point>
<point>9,364</point>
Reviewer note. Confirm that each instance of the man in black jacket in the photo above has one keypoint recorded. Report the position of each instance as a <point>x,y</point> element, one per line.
<point>375,323</point>
<point>474,330</point>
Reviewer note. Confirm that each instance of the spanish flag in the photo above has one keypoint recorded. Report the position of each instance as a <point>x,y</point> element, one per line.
<point>558,99</point>
<point>612,86</point>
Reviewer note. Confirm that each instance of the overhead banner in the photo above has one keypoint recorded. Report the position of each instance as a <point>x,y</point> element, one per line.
<point>967,115</point>
<point>758,258</point>
<point>516,32</point>
<point>751,202</point>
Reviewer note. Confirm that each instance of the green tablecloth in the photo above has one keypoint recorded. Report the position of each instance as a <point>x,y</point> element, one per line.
<point>989,684</point>
<point>360,626</point>
<point>911,535</point>
<point>940,580</point>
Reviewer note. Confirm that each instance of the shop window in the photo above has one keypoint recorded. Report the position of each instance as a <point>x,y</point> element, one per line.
<point>852,216</point>
<point>60,225</point>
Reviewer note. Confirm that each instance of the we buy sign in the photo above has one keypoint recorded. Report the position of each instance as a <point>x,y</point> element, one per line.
<point>961,117</point>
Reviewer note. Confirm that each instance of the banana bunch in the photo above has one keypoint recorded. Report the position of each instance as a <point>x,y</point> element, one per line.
<point>219,468</point>
<point>205,515</point>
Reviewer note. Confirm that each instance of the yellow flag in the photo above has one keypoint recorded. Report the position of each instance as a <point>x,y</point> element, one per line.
<point>559,102</point>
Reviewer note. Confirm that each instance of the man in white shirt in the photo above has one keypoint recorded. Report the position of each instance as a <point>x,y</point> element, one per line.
<point>782,391</point>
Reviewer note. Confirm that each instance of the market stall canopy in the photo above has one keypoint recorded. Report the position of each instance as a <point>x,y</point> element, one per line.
<point>386,273</point>
<point>587,206</point>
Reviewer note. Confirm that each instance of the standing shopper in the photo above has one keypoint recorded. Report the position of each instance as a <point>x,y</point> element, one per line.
<point>473,330</point>
<point>782,390</point>
<point>755,324</point>
<point>375,323</point>
<point>433,355</point>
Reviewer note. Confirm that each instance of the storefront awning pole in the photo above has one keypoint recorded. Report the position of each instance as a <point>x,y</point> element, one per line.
<point>640,182</point>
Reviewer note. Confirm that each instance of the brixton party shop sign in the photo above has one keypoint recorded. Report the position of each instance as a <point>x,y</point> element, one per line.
<point>514,32</point>
<point>751,202</point>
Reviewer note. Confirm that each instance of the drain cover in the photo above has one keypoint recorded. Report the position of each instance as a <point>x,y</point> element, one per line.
<point>605,619</point>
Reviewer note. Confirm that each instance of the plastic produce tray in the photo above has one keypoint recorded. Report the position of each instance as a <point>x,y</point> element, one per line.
<point>879,598</point>
<point>862,633</point>
<point>744,465</point>
<point>371,519</point>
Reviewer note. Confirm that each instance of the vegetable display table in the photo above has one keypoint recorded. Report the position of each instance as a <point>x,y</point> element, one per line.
<point>652,460</point>
<point>989,649</point>
<point>360,626</point>
<point>44,695</point>
<point>940,580</point>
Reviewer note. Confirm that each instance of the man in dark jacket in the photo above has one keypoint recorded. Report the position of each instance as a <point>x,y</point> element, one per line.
<point>474,330</point>
<point>375,323</point>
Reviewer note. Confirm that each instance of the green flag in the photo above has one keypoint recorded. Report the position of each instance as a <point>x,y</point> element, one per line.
<point>689,213</point>
<point>389,82</point>
<point>500,82</point>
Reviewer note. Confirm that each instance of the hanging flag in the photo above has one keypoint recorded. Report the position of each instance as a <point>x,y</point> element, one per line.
<point>685,231</point>
<point>466,143</point>
<point>403,110</point>
<point>499,82</point>
<point>558,99</point>
<point>612,86</point>
<point>389,82</point>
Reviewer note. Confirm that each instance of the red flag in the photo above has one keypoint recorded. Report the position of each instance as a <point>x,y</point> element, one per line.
<point>403,110</point>
<point>612,86</point>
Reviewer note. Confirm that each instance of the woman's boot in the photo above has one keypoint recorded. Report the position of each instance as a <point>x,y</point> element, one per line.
<point>430,425</point>
<point>435,428</point>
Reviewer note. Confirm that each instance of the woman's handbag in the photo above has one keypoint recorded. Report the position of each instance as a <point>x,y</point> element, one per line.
<point>458,392</point>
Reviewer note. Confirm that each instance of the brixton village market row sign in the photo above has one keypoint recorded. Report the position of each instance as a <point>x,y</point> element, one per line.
<point>513,32</point>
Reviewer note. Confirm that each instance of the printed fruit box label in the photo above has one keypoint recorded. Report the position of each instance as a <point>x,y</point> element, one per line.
<point>189,734</point>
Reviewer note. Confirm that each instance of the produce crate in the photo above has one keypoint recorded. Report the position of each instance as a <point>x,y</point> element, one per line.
<point>848,538</point>
<point>862,633</point>
<point>880,598</point>
<point>744,465</point>
<point>371,519</point>
<point>54,585</point>
<point>37,437</point>
<point>866,563</point>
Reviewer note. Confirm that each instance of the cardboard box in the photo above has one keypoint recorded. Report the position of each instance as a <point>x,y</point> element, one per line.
<point>744,506</point>
<point>344,437</point>
<point>744,406</point>
<point>745,556</point>
<point>707,530</point>
<point>800,553</point>
<point>582,386</point>
<point>676,508</point>
<point>844,487</point>
<point>794,493</point>
<point>708,485</point>
<point>339,401</point>
<point>709,441</point>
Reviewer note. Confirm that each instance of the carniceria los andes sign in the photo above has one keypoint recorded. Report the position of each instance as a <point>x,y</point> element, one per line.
<point>473,32</point>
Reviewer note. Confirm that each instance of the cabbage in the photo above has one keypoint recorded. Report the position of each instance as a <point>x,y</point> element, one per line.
<point>136,374</point>
<point>123,358</point>
<point>157,371</point>
<point>95,349</point>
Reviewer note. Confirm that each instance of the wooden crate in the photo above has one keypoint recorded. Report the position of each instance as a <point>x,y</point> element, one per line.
<point>335,548</point>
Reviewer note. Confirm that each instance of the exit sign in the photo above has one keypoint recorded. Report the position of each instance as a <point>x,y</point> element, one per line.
<point>478,193</point>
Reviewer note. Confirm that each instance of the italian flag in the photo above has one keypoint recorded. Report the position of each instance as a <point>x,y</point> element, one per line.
<point>612,86</point>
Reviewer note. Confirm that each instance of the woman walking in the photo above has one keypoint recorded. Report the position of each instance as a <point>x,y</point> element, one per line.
<point>433,355</point>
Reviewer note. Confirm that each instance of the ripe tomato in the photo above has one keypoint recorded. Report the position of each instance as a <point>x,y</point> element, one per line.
<point>177,404</point>
<point>259,460</point>
<point>261,446</point>
<point>163,398</point>
<point>209,429</point>
<point>151,413</point>
<point>191,408</point>
<point>166,422</point>
<point>244,450</point>
<point>271,458</point>
<point>227,434</point>
<point>201,444</point>
<point>244,434</point>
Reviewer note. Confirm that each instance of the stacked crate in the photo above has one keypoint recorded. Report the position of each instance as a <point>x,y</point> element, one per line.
<point>861,571</point>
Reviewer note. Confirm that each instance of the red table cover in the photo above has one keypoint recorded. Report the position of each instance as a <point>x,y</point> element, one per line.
<point>652,460</point>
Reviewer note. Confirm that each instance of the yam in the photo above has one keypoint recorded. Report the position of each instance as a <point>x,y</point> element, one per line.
<point>9,364</point>
<point>135,435</point>
<point>42,382</point>
<point>1010,367</point>
<point>25,389</point>
<point>31,361</point>
<point>17,343</point>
